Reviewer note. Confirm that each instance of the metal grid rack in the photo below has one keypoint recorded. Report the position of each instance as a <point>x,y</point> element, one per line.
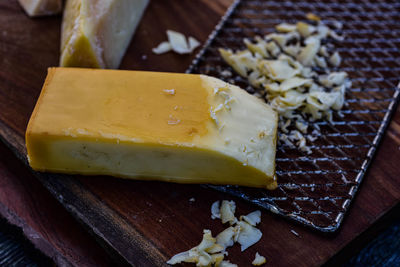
<point>316,189</point>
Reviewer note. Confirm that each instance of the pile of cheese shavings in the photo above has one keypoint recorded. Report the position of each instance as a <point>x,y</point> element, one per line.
<point>177,42</point>
<point>291,70</point>
<point>212,250</point>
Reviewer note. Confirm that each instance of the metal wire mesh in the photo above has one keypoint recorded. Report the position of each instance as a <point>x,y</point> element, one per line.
<point>316,189</point>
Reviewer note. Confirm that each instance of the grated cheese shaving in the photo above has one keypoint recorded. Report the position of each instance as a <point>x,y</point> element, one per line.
<point>227,264</point>
<point>248,235</point>
<point>162,48</point>
<point>285,27</point>
<point>228,212</point>
<point>259,260</point>
<point>177,42</point>
<point>193,43</point>
<point>312,17</point>
<point>335,59</point>
<point>253,218</point>
<point>225,238</point>
<point>305,29</point>
<point>309,52</point>
<point>215,212</point>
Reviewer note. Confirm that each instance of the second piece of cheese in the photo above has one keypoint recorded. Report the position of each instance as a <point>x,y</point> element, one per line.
<point>96,34</point>
<point>182,128</point>
<point>35,8</point>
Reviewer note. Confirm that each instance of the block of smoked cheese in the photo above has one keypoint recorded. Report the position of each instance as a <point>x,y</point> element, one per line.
<point>183,128</point>
<point>96,33</point>
<point>35,8</point>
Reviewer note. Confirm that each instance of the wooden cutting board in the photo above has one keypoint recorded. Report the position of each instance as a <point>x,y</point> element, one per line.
<point>145,223</point>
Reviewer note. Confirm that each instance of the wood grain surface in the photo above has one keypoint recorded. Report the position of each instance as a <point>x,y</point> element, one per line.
<point>145,223</point>
<point>26,203</point>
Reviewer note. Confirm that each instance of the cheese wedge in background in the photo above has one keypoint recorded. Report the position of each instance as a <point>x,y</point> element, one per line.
<point>96,33</point>
<point>35,8</point>
<point>183,128</point>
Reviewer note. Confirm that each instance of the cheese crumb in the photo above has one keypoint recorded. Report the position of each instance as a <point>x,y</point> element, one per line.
<point>294,232</point>
<point>173,121</point>
<point>226,73</point>
<point>169,91</point>
<point>259,260</point>
<point>214,116</point>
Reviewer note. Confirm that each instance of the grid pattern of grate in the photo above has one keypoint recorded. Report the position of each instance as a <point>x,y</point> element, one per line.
<point>316,189</point>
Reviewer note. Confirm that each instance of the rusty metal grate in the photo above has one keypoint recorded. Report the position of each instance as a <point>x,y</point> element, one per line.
<point>316,189</point>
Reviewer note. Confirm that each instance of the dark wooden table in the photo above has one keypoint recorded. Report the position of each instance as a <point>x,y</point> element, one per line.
<point>162,213</point>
